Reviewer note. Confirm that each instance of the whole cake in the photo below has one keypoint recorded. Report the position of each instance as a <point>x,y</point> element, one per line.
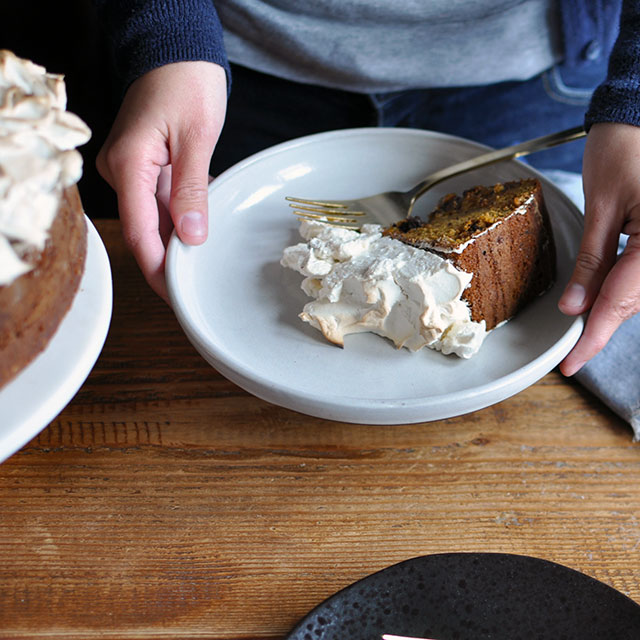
<point>42,225</point>
<point>444,283</point>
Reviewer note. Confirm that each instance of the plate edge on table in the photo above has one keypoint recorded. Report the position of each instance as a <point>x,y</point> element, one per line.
<point>470,555</point>
<point>15,436</point>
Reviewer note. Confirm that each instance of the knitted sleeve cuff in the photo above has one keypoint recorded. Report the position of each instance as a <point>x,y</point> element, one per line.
<point>616,99</point>
<point>145,34</point>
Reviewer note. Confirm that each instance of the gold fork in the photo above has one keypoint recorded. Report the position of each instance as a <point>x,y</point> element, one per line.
<point>391,206</point>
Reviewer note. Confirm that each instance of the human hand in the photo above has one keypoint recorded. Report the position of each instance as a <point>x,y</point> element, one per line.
<point>608,287</point>
<point>157,156</point>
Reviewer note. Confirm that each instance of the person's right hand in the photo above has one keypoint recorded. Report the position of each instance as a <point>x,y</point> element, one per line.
<point>157,156</point>
<point>606,285</point>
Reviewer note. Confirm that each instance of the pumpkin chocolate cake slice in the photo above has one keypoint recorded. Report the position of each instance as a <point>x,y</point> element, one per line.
<point>501,234</point>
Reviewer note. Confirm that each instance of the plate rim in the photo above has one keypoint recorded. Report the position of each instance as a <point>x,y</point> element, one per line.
<point>98,280</point>
<point>501,555</point>
<point>306,402</point>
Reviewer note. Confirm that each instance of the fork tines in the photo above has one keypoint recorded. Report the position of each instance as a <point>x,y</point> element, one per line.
<point>335,213</point>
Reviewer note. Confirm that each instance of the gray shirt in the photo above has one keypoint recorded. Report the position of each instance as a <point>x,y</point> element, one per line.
<point>387,45</point>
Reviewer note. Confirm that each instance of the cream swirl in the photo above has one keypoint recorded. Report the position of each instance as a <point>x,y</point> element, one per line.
<point>38,157</point>
<point>368,282</point>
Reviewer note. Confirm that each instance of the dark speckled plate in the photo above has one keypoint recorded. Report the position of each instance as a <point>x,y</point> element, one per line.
<point>474,596</point>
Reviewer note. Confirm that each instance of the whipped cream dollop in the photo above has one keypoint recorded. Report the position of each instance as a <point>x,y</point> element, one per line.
<point>364,281</point>
<point>38,158</point>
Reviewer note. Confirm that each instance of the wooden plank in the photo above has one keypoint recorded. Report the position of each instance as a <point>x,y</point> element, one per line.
<point>165,502</point>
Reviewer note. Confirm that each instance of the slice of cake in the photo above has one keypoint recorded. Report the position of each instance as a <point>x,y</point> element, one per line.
<point>443,283</point>
<point>42,225</point>
<point>501,234</point>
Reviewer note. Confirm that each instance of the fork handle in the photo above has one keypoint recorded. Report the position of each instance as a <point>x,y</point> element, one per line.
<point>515,151</point>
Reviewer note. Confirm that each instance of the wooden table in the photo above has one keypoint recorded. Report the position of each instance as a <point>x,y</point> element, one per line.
<point>165,502</point>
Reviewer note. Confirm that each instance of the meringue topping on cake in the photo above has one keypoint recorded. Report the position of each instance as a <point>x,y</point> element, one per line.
<point>38,158</point>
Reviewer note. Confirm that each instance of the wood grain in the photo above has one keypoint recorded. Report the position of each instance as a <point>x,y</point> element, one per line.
<point>165,502</point>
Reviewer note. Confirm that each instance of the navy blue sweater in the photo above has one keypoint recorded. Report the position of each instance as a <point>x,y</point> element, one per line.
<point>617,99</point>
<point>145,34</point>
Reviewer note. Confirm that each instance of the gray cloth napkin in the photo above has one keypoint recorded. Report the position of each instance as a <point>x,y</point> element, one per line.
<point>614,374</point>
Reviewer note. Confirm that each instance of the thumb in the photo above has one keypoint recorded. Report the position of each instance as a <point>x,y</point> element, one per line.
<point>596,256</point>
<point>188,202</point>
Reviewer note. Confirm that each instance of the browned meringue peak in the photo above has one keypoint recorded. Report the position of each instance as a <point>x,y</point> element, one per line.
<point>38,157</point>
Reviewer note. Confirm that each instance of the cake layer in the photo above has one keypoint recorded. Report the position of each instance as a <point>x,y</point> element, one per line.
<point>34,304</point>
<point>500,234</point>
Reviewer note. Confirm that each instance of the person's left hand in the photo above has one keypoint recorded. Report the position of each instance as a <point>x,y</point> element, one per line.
<point>607,286</point>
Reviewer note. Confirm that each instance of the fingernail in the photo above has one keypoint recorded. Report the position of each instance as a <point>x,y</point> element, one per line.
<point>574,295</point>
<point>192,224</point>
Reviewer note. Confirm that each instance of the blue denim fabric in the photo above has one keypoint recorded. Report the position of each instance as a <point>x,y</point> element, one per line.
<point>264,111</point>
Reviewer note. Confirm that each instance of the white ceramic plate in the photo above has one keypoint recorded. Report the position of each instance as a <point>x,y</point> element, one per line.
<point>239,307</point>
<point>38,394</point>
